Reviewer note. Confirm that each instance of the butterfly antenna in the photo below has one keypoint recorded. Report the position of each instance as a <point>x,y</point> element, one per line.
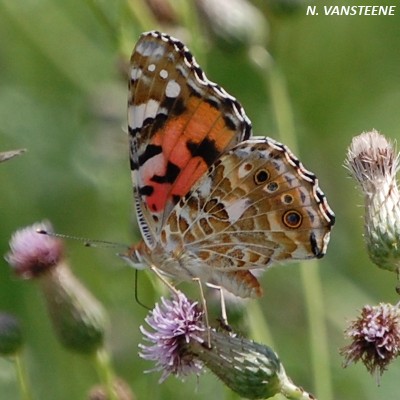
<point>137,299</point>
<point>86,242</point>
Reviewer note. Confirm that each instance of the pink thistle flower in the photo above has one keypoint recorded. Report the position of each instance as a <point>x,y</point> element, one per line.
<point>175,323</point>
<point>33,253</point>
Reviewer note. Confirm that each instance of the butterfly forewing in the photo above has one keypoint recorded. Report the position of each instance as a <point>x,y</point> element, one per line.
<point>179,125</point>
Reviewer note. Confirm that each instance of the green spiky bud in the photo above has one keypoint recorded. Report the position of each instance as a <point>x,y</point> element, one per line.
<point>250,369</point>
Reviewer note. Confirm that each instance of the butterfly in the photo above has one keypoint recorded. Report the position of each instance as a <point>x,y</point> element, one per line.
<point>212,201</point>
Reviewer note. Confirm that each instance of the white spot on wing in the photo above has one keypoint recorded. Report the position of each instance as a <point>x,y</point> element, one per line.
<point>236,209</point>
<point>173,89</point>
<point>151,67</point>
<point>136,73</point>
<point>153,49</point>
<point>244,170</point>
<point>164,74</point>
<point>204,189</point>
<point>137,114</point>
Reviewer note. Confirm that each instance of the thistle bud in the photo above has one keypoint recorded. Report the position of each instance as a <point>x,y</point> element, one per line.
<point>236,23</point>
<point>78,318</point>
<point>181,344</point>
<point>250,369</point>
<point>373,162</point>
<point>11,338</point>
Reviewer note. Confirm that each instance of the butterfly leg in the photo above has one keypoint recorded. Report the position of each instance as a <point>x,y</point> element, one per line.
<point>224,316</point>
<point>204,304</point>
<point>171,287</point>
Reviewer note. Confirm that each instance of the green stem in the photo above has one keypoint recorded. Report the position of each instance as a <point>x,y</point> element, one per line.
<point>257,323</point>
<point>142,14</point>
<point>281,106</point>
<point>26,393</point>
<point>311,281</point>
<point>318,332</point>
<point>104,19</point>
<point>293,392</point>
<point>105,372</point>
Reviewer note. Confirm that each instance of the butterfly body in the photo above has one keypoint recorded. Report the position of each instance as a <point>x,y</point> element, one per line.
<point>212,202</point>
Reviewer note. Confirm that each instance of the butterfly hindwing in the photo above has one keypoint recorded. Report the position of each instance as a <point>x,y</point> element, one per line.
<point>256,205</point>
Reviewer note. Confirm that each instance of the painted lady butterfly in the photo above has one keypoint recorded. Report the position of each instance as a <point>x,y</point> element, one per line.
<point>212,201</point>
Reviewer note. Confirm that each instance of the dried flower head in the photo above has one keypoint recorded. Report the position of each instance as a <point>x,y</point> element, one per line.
<point>373,162</point>
<point>175,323</point>
<point>32,253</point>
<point>375,338</point>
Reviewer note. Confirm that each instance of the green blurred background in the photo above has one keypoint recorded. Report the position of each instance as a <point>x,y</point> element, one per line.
<point>63,97</point>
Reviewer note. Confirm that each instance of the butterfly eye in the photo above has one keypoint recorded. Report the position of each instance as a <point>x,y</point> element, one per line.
<point>292,219</point>
<point>261,176</point>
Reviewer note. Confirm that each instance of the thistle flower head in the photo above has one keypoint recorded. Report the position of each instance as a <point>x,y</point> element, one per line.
<point>373,162</point>
<point>32,253</point>
<point>175,323</point>
<point>375,338</point>
<point>78,318</point>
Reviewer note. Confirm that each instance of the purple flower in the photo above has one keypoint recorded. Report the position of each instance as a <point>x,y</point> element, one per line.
<point>375,337</point>
<point>175,323</point>
<point>33,253</point>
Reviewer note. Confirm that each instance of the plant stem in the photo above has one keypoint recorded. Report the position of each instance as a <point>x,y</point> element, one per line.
<point>293,392</point>
<point>26,393</point>
<point>105,372</point>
